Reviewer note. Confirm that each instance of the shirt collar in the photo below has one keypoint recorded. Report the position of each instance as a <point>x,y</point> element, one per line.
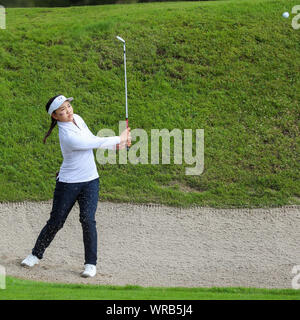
<point>69,125</point>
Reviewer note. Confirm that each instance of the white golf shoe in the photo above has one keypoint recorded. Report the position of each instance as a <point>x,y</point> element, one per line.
<point>89,271</point>
<point>30,261</point>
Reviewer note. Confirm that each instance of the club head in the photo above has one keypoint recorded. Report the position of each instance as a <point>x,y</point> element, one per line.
<point>119,38</point>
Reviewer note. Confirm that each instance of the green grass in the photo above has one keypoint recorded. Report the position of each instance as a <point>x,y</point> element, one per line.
<point>228,67</point>
<point>18,289</point>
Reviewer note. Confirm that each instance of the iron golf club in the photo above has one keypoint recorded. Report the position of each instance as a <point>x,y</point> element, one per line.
<point>126,105</point>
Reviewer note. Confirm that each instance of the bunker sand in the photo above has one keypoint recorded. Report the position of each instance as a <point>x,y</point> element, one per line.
<point>152,245</point>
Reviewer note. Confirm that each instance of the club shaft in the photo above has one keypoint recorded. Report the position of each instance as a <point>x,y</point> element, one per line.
<point>126,103</point>
<point>127,147</point>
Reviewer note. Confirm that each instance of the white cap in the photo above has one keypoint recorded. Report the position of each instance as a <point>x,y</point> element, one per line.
<point>57,102</point>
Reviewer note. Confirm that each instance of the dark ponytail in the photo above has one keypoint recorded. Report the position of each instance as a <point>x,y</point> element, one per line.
<point>53,121</point>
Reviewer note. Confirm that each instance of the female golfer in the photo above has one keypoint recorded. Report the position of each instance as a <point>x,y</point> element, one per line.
<point>77,179</point>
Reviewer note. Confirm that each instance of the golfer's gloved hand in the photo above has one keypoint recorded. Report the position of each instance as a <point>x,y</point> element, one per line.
<point>125,138</point>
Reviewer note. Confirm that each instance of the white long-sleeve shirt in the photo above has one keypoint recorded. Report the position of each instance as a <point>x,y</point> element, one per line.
<point>77,144</point>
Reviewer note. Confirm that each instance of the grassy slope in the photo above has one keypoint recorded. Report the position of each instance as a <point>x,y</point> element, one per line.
<point>17,289</point>
<point>230,68</point>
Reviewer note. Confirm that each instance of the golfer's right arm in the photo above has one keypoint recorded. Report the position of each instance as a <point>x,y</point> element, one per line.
<point>87,142</point>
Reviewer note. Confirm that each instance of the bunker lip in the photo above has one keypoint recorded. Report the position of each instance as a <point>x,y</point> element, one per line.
<point>159,246</point>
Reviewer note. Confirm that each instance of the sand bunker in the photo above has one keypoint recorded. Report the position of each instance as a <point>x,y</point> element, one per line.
<point>151,245</point>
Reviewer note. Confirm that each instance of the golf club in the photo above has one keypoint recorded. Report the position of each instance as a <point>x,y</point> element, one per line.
<point>126,105</point>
